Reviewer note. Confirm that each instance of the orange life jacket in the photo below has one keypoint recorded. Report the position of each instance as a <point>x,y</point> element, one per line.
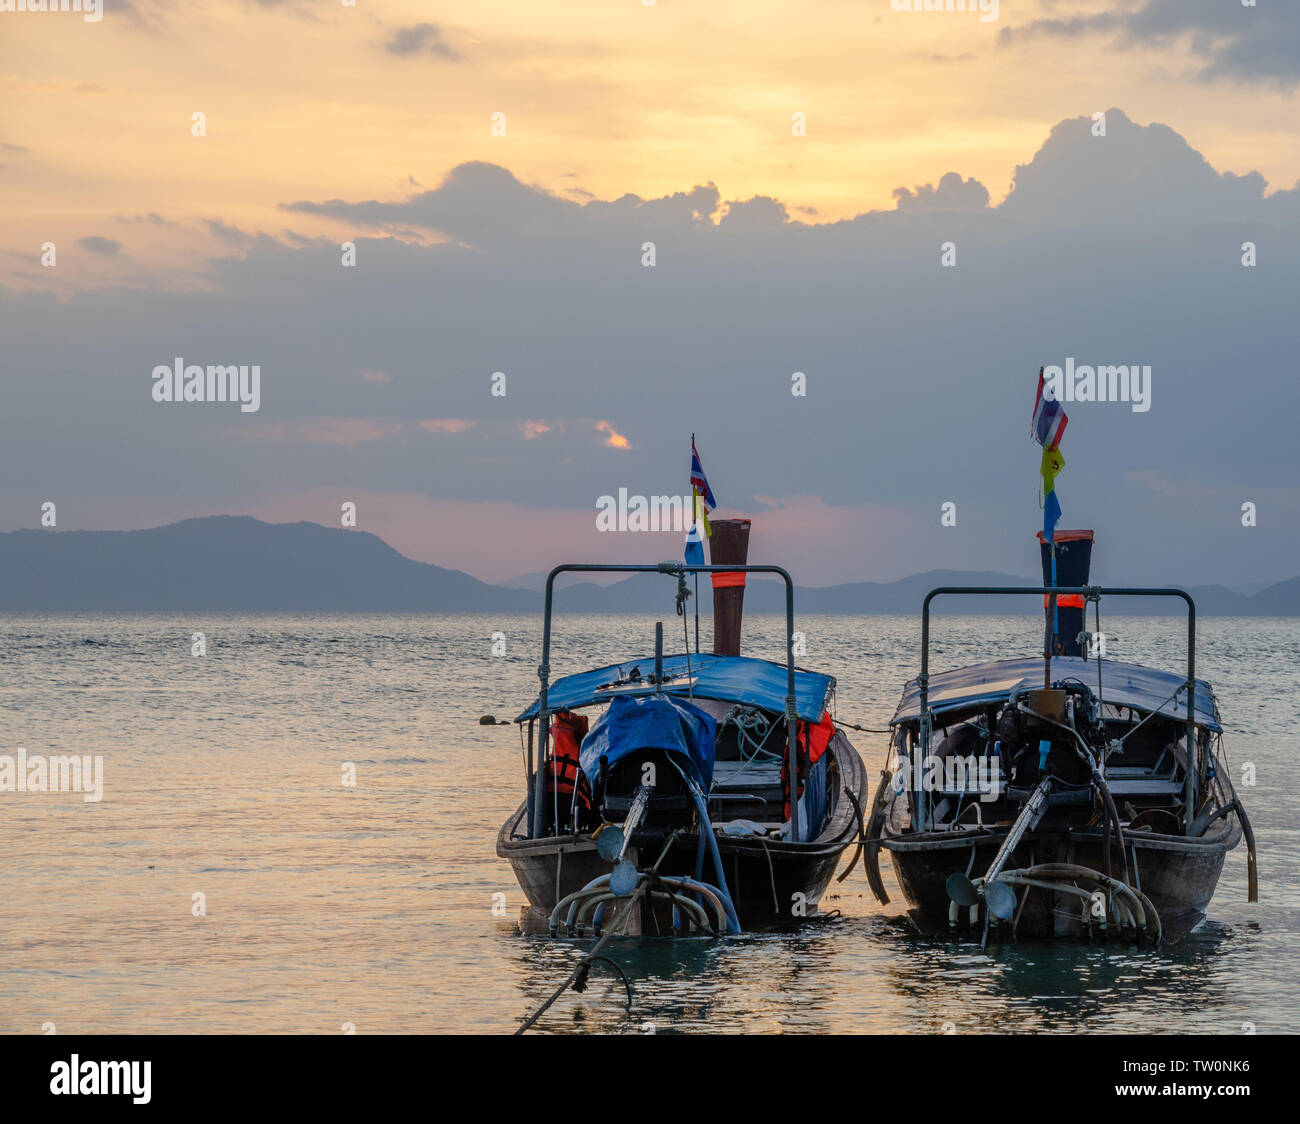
<point>564,772</point>
<point>812,742</point>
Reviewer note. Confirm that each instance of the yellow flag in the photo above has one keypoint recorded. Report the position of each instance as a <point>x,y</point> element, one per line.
<point>1053,462</point>
<point>701,513</point>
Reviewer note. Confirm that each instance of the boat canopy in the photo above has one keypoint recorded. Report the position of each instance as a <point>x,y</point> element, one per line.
<point>741,679</point>
<point>1122,684</point>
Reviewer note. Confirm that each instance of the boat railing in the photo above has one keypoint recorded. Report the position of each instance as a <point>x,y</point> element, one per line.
<point>536,793</point>
<point>1088,593</point>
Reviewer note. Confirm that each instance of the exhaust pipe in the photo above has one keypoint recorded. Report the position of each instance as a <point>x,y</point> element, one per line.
<point>728,546</point>
<point>1073,561</point>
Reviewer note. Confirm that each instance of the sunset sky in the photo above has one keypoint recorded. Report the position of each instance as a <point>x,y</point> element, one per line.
<point>326,123</point>
<point>314,100</point>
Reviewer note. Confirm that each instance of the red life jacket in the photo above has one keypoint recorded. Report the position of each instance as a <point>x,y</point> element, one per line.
<point>564,773</point>
<point>812,742</point>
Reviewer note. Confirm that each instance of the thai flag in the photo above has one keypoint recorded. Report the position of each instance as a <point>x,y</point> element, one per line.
<point>1049,418</point>
<point>698,481</point>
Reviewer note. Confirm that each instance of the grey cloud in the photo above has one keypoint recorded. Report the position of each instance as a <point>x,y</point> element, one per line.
<point>485,205</point>
<point>1133,172</point>
<point>1232,41</point>
<point>293,238</point>
<point>153,218</point>
<point>226,233</point>
<point>96,245</point>
<point>952,194</point>
<point>1123,249</point>
<point>1074,27</point>
<point>760,211</point>
<point>420,39</point>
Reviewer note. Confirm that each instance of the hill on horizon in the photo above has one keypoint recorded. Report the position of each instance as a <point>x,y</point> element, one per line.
<point>230,563</point>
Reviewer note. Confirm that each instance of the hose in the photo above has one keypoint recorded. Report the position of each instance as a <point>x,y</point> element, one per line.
<point>707,833</point>
<point>1148,916</point>
<point>1131,907</point>
<point>697,914</point>
<point>709,893</point>
<point>569,898</point>
<point>1113,813</point>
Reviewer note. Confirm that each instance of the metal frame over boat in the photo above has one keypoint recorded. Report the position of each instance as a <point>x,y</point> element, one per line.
<point>1110,808</point>
<point>717,736</point>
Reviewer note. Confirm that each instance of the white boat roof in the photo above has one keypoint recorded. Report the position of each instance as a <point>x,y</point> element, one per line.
<point>1122,684</point>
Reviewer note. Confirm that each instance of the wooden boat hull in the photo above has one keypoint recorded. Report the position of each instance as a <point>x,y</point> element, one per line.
<point>1178,874</point>
<point>772,884</point>
<point>1102,776</point>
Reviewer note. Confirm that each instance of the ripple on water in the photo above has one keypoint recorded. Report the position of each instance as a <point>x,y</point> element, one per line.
<point>373,904</point>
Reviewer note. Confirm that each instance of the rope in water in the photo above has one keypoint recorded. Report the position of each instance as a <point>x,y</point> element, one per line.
<point>580,973</point>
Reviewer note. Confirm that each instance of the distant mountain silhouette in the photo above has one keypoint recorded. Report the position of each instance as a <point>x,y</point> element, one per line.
<point>536,581</point>
<point>647,593</point>
<point>233,563</point>
<point>237,564</point>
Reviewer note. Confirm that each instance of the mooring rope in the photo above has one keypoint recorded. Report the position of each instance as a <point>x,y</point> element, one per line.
<point>863,729</point>
<point>583,970</point>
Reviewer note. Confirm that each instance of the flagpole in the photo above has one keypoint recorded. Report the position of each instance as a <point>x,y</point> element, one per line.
<point>1056,612</point>
<point>694,511</point>
<point>1048,424</point>
<point>697,612</point>
<point>1051,617</point>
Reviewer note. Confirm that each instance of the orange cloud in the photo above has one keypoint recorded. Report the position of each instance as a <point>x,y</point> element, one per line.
<point>614,439</point>
<point>376,376</point>
<point>533,428</point>
<point>447,425</point>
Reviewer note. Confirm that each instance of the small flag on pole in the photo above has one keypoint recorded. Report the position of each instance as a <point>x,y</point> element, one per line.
<point>702,502</point>
<point>698,480</point>
<point>1049,418</point>
<point>1049,425</point>
<point>1053,462</point>
<point>1051,516</point>
<point>694,544</point>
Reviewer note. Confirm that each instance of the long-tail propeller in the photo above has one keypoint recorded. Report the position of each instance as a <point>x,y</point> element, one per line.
<point>612,841</point>
<point>999,896</point>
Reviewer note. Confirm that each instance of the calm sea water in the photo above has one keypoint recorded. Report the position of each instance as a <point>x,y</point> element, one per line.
<point>372,904</point>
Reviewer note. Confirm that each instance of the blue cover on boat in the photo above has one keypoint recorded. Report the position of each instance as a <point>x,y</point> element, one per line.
<point>1123,684</point>
<point>652,722</point>
<point>740,679</point>
<point>814,800</point>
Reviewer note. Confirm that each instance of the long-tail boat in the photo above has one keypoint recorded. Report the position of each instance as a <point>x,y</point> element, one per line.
<point>659,796</point>
<point>1063,795</point>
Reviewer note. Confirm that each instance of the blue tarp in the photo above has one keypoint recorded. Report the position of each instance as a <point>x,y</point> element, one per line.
<point>813,817</point>
<point>1123,684</point>
<point>740,679</point>
<point>652,722</point>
